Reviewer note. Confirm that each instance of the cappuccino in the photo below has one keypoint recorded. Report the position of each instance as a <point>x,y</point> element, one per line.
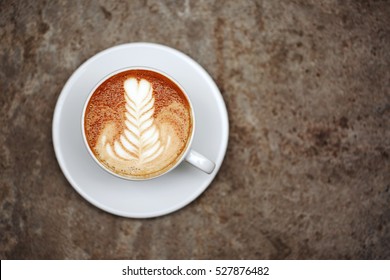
<point>138,123</point>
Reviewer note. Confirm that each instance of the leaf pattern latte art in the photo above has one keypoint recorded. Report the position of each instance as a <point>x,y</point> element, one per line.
<point>140,140</point>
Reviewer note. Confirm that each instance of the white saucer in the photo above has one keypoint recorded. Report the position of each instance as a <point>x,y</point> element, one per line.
<point>154,197</point>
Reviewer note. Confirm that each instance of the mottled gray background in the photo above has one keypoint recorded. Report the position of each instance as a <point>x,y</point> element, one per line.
<point>307,171</point>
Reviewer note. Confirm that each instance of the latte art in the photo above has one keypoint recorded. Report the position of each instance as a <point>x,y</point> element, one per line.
<point>140,139</point>
<point>138,123</point>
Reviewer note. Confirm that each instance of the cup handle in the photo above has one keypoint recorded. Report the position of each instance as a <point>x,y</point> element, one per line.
<point>200,161</point>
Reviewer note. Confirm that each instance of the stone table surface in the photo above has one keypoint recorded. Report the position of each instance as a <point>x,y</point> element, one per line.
<point>307,170</point>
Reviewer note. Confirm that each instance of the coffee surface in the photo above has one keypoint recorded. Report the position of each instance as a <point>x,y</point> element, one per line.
<point>137,123</point>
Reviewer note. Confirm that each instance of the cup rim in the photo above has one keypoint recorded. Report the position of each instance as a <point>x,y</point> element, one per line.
<point>113,73</point>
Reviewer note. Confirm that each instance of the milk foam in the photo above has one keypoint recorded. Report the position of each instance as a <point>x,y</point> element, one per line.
<point>140,140</point>
<point>146,144</point>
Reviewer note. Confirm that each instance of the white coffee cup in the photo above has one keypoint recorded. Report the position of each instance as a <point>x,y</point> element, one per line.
<point>191,156</point>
